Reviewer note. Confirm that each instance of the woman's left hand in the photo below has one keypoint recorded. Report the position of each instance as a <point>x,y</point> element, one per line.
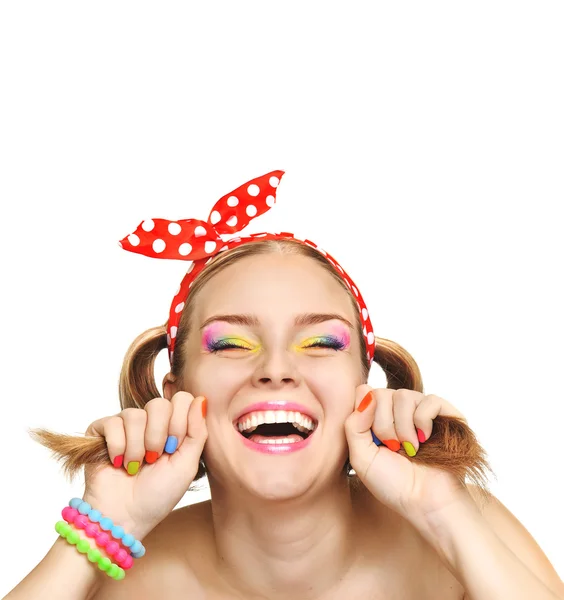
<point>413,490</point>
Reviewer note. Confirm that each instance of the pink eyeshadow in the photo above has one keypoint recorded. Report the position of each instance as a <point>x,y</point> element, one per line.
<point>212,332</point>
<point>341,332</point>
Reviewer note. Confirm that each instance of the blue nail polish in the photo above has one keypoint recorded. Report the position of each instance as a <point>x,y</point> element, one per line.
<point>376,440</point>
<point>171,443</point>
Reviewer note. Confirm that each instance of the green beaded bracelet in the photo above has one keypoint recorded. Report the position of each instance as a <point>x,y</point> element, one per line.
<point>71,535</point>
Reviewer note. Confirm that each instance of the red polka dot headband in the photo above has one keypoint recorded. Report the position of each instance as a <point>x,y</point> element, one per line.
<point>199,241</point>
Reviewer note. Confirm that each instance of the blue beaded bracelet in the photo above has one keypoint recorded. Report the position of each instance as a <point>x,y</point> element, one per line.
<point>117,532</point>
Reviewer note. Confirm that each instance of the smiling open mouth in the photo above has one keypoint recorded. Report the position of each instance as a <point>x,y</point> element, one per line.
<point>277,430</point>
<point>283,427</point>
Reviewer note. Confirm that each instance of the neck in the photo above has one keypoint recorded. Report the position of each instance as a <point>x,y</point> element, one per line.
<point>301,547</point>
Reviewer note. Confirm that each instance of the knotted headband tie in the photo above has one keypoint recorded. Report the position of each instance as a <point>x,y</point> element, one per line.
<point>199,241</point>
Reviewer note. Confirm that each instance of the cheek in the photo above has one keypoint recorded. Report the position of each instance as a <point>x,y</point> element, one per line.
<point>217,383</point>
<point>335,387</point>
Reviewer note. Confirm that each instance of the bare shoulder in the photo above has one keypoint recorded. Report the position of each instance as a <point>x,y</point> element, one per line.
<point>165,570</point>
<point>515,536</point>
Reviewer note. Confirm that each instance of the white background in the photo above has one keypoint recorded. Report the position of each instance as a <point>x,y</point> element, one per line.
<point>422,144</point>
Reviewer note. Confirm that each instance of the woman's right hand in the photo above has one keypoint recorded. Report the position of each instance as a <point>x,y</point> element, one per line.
<point>140,501</point>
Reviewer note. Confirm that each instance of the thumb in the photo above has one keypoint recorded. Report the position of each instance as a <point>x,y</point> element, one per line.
<point>363,444</point>
<point>192,447</point>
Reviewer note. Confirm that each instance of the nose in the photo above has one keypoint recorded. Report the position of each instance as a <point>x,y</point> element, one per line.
<point>276,370</point>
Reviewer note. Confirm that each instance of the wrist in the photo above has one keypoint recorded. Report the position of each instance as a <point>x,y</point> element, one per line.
<point>119,542</point>
<point>134,528</point>
<point>138,531</point>
<point>445,528</point>
<point>435,520</point>
<point>441,527</point>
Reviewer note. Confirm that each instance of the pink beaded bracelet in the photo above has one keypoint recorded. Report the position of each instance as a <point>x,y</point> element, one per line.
<point>103,540</point>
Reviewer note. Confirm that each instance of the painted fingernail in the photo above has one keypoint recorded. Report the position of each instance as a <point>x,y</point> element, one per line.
<point>365,402</point>
<point>118,461</point>
<point>420,435</point>
<point>171,443</point>
<point>375,439</point>
<point>133,467</point>
<point>151,456</point>
<point>205,408</point>
<point>408,447</point>
<point>392,445</point>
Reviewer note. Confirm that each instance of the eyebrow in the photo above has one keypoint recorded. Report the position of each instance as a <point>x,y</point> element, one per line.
<point>300,321</point>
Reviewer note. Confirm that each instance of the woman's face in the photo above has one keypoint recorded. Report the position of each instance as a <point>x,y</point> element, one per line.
<point>277,353</point>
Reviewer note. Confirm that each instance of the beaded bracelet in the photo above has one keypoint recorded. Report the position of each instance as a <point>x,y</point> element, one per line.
<point>112,549</point>
<point>117,532</point>
<point>71,535</point>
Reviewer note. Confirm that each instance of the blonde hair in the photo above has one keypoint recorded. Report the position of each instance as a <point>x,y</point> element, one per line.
<point>452,445</point>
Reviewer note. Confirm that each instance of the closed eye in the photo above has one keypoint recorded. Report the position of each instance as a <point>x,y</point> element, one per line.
<point>331,343</point>
<point>225,345</point>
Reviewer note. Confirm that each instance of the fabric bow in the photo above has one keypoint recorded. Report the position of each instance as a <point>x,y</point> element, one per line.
<point>192,239</point>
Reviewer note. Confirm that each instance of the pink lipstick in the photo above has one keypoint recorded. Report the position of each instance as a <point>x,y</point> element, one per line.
<point>279,444</point>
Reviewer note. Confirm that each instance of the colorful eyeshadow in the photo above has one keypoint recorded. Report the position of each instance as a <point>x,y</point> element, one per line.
<point>339,339</point>
<point>215,337</point>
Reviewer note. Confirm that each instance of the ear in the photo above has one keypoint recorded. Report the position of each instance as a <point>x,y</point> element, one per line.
<point>169,386</point>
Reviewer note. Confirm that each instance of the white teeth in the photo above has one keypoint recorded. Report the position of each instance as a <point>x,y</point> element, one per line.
<point>282,441</point>
<point>246,425</point>
<point>250,422</point>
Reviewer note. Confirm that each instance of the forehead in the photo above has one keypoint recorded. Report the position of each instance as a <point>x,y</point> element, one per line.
<point>273,285</point>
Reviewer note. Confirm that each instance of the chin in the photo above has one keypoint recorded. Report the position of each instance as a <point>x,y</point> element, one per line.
<point>278,488</point>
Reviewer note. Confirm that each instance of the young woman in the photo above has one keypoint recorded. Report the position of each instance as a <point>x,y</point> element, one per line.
<point>321,487</point>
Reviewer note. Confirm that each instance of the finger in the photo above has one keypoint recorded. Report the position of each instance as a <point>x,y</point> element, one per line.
<point>112,430</point>
<point>180,402</point>
<point>429,408</point>
<point>134,421</point>
<point>190,452</point>
<point>404,404</point>
<point>159,412</point>
<point>384,418</point>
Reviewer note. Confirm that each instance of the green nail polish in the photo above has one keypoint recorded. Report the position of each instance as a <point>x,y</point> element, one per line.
<point>408,447</point>
<point>133,467</point>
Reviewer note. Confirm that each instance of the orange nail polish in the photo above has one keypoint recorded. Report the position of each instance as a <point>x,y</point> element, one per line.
<point>365,402</point>
<point>151,456</point>
<point>392,444</point>
<point>205,408</point>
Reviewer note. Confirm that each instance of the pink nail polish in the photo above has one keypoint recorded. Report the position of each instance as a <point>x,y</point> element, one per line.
<point>420,435</point>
